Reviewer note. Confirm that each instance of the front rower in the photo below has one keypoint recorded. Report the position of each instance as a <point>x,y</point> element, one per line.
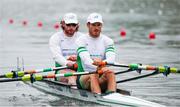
<point>92,50</point>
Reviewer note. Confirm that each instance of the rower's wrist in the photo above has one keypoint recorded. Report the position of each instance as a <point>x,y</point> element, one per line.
<point>100,71</point>
<point>72,65</point>
<point>103,63</point>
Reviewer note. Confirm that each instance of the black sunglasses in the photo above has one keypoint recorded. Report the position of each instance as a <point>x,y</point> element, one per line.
<point>71,24</point>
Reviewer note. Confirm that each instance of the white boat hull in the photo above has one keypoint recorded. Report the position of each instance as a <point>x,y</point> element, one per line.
<point>113,99</point>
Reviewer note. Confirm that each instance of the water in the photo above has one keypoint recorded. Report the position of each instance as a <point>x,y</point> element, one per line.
<point>139,18</point>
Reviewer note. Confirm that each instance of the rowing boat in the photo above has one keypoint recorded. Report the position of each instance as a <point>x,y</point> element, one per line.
<point>120,98</point>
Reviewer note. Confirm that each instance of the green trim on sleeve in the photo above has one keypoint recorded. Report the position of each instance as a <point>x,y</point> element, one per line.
<point>111,49</point>
<point>57,71</point>
<point>81,49</point>
<point>80,67</point>
<point>57,64</point>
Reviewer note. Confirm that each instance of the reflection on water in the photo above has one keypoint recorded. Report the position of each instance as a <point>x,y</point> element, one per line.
<point>138,17</point>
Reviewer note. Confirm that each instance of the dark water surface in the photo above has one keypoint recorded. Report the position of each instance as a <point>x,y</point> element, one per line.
<point>138,17</point>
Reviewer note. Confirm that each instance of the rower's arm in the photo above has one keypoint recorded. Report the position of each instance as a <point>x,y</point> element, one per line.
<point>85,63</point>
<point>110,51</point>
<point>86,60</point>
<point>56,50</point>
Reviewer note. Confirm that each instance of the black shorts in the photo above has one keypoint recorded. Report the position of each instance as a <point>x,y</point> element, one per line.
<point>78,82</point>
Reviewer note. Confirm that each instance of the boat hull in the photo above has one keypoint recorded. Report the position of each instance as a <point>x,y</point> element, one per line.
<point>113,99</point>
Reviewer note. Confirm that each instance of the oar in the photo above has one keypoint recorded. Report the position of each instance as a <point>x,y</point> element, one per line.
<point>125,71</point>
<point>15,74</point>
<point>39,77</point>
<point>161,69</point>
<point>138,77</point>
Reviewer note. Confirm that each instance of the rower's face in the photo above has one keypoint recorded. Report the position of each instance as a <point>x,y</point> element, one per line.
<point>70,29</point>
<point>94,29</point>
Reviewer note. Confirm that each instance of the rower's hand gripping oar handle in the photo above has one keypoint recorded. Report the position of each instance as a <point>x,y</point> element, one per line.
<point>99,65</point>
<point>73,66</point>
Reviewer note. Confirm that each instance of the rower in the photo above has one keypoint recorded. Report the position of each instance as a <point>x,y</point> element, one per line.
<point>93,49</point>
<point>63,47</point>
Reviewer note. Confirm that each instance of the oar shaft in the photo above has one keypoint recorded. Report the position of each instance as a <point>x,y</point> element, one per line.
<point>73,74</point>
<point>27,77</point>
<point>161,69</point>
<point>2,76</point>
<point>67,74</point>
<point>121,72</point>
<point>118,65</point>
<point>138,77</point>
<point>22,73</point>
<point>9,80</point>
<point>39,77</point>
<point>45,70</point>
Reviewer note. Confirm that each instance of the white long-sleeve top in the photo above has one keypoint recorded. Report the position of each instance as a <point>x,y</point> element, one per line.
<point>63,46</point>
<point>89,48</point>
